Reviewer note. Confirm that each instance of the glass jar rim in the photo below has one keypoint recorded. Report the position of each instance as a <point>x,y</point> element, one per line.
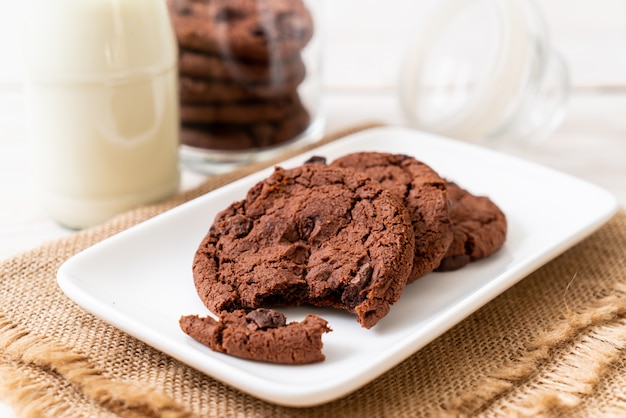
<point>518,61</point>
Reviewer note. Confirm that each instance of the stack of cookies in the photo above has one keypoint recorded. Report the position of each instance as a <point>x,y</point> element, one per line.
<point>240,66</point>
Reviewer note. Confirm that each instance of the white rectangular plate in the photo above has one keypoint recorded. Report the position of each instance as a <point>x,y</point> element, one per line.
<point>140,280</point>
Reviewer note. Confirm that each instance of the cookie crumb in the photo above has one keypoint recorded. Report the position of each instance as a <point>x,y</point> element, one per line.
<point>261,335</point>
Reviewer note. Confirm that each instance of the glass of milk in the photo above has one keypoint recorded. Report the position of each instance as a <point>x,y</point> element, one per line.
<point>100,84</point>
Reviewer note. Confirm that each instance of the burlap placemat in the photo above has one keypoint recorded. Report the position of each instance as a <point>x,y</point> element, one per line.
<point>552,345</point>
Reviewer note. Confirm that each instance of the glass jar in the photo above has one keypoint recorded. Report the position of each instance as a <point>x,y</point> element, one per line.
<point>484,71</point>
<point>249,79</point>
<point>102,106</point>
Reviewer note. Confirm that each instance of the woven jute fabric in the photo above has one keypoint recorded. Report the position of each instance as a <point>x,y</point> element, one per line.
<point>552,345</point>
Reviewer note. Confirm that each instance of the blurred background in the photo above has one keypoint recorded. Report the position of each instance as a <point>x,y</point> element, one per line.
<point>366,39</point>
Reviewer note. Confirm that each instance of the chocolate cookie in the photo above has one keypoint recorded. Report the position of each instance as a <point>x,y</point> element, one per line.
<point>213,67</point>
<point>423,193</point>
<point>241,112</point>
<point>261,30</point>
<point>262,334</point>
<point>201,91</point>
<point>312,234</point>
<point>479,228</point>
<point>245,137</point>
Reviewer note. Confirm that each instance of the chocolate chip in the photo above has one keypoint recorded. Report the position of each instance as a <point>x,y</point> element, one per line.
<point>305,228</point>
<point>259,32</point>
<point>316,159</point>
<point>267,318</point>
<point>230,14</point>
<point>183,10</point>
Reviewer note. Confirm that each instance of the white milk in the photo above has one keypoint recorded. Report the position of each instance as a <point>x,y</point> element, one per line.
<point>101,94</point>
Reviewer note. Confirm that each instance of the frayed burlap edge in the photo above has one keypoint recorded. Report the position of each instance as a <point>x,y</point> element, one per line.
<point>31,398</point>
<point>588,342</point>
<point>28,362</point>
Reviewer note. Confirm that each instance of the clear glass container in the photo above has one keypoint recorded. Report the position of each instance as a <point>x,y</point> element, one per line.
<point>102,106</point>
<point>484,71</point>
<point>249,79</point>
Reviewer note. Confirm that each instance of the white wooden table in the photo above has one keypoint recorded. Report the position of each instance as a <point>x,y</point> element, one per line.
<point>362,57</point>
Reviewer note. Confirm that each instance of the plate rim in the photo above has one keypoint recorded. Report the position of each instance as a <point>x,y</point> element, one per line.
<point>288,395</point>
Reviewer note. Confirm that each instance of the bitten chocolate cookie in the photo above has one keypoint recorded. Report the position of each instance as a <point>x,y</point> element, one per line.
<point>262,30</point>
<point>214,67</point>
<point>262,334</point>
<point>423,193</point>
<point>312,234</point>
<point>241,112</point>
<point>479,228</point>
<point>245,137</point>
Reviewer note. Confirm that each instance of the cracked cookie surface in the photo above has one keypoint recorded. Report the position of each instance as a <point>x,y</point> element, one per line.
<point>313,234</point>
<point>422,191</point>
